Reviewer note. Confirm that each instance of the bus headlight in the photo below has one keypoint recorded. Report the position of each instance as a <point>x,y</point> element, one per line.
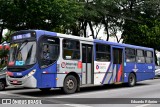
<point>31,73</point>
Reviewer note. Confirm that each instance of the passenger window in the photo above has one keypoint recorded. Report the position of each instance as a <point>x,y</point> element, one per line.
<point>102,52</point>
<point>149,57</point>
<point>130,55</point>
<point>140,56</point>
<point>71,49</point>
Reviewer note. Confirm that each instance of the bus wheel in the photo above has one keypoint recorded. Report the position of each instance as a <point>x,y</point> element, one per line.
<point>2,85</point>
<point>70,84</point>
<point>45,89</point>
<point>131,80</point>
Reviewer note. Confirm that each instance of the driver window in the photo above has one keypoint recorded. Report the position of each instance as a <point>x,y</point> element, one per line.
<point>45,51</point>
<point>49,51</point>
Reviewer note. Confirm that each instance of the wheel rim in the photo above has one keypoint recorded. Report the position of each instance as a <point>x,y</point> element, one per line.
<point>131,80</point>
<point>70,84</point>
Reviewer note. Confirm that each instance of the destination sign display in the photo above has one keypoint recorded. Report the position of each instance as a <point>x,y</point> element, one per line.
<point>21,36</point>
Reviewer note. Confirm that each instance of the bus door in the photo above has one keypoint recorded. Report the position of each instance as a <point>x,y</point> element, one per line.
<point>118,64</point>
<point>87,64</point>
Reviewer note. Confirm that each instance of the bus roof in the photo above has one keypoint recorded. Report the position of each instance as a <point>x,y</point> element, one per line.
<point>75,37</point>
<point>94,40</point>
<point>63,35</point>
<point>122,45</point>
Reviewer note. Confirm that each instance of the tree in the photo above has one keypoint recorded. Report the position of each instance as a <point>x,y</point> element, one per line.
<point>4,8</point>
<point>145,32</point>
<point>38,14</point>
<point>97,14</point>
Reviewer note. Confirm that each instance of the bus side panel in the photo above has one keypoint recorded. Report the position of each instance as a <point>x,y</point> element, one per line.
<point>128,68</point>
<point>142,71</point>
<point>60,79</point>
<point>66,66</point>
<point>48,80</point>
<point>48,77</point>
<point>145,71</point>
<point>151,70</point>
<point>102,72</point>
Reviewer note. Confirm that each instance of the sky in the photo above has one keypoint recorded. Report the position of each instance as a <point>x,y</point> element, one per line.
<point>4,31</point>
<point>102,34</point>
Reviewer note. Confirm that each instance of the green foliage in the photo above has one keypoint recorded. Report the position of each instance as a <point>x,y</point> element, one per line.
<point>145,30</point>
<point>152,34</point>
<point>142,34</point>
<point>38,14</point>
<point>137,19</point>
<point>3,53</point>
<point>3,57</point>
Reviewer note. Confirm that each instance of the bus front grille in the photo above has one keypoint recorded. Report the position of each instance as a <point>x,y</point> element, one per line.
<point>16,76</point>
<point>16,82</point>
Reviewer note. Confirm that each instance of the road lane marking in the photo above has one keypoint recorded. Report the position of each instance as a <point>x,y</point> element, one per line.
<point>5,93</point>
<point>101,91</point>
<point>143,105</point>
<point>53,101</point>
<point>78,94</point>
<point>97,92</point>
<point>77,105</point>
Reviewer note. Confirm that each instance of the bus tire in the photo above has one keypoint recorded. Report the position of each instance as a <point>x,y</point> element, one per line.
<point>70,84</point>
<point>2,85</point>
<point>131,80</point>
<point>45,89</point>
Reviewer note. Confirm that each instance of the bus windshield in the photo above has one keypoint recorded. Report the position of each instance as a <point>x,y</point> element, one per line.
<point>22,54</point>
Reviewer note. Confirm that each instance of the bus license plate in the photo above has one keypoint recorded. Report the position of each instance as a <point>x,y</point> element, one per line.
<point>15,81</point>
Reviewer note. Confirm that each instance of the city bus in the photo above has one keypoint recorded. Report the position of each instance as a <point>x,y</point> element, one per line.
<point>44,60</point>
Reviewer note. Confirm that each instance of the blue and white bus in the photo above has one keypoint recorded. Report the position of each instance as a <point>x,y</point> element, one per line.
<point>44,60</point>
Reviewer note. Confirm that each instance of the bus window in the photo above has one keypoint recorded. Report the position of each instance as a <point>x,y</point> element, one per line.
<point>71,49</point>
<point>45,51</point>
<point>140,56</point>
<point>149,57</point>
<point>49,52</point>
<point>130,55</point>
<point>102,52</point>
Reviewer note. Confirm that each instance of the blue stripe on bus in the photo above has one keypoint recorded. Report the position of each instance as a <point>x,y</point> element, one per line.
<point>110,79</point>
<point>106,74</point>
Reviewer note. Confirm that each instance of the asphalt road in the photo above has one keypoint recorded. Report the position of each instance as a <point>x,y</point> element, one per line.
<point>108,95</point>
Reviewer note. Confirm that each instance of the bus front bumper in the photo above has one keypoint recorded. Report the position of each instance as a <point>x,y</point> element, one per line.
<point>25,81</point>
